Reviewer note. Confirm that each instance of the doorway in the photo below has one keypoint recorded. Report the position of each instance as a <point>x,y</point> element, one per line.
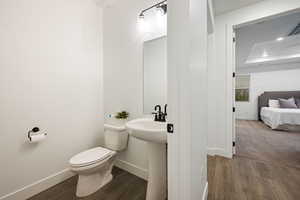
<point>264,72</point>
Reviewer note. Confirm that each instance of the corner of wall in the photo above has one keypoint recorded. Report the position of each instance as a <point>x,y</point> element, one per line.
<point>133,169</point>
<point>218,152</point>
<point>39,186</point>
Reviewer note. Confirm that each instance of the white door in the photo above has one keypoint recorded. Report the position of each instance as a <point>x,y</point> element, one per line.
<point>187,99</point>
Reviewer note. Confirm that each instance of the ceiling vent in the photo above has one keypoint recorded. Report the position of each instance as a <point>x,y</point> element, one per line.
<point>295,31</point>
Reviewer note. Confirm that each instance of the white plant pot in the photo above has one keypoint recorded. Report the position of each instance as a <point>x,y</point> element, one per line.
<point>121,122</point>
<point>117,122</point>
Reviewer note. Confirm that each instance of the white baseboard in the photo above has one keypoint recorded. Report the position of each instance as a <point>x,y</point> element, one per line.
<point>45,183</point>
<point>38,186</point>
<point>131,168</point>
<point>205,192</point>
<point>217,151</point>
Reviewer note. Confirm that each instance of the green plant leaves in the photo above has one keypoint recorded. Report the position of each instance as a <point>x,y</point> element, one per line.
<point>122,115</point>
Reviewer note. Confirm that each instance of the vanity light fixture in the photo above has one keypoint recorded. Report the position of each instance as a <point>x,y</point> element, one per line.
<point>143,24</point>
<point>161,8</point>
<point>141,16</point>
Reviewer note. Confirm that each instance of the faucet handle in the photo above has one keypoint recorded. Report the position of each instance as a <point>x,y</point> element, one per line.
<point>155,115</point>
<point>166,105</point>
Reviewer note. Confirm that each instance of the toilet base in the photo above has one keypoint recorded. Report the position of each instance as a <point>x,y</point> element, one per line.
<point>89,184</point>
<point>92,178</point>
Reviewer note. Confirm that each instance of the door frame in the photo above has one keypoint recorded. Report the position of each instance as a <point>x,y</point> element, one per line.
<point>233,93</point>
<point>230,66</point>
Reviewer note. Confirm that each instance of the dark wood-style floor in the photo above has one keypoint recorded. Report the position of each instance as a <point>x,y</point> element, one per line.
<point>266,167</point>
<point>124,186</point>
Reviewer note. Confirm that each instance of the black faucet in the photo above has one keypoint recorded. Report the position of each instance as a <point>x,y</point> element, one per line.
<point>159,115</point>
<point>157,107</point>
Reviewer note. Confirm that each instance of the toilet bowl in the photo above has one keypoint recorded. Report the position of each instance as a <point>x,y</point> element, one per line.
<point>94,166</point>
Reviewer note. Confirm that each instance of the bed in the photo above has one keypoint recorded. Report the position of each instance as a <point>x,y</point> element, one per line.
<point>278,118</point>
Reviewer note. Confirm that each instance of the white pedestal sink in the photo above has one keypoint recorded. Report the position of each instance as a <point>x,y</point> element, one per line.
<point>155,134</point>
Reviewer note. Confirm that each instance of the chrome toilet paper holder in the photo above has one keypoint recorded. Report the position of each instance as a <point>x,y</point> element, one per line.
<point>33,131</point>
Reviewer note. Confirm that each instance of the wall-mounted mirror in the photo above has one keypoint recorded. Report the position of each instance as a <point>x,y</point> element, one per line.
<point>155,74</point>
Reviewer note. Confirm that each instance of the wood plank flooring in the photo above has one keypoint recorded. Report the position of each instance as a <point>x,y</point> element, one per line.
<point>124,186</point>
<point>266,166</point>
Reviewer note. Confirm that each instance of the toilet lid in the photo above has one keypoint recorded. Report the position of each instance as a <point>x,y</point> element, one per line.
<point>90,156</point>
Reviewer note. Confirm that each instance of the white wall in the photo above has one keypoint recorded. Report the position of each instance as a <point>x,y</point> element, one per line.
<point>287,80</point>
<point>50,77</point>
<point>221,80</point>
<point>123,72</point>
<point>212,86</point>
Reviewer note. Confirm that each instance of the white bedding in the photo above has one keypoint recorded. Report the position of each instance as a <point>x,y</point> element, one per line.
<point>276,117</point>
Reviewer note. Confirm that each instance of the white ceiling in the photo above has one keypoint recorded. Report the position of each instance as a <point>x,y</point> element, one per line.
<point>105,3</point>
<point>220,6</point>
<point>223,6</point>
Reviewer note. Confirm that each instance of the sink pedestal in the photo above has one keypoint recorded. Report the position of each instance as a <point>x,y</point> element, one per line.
<point>157,175</point>
<point>155,134</point>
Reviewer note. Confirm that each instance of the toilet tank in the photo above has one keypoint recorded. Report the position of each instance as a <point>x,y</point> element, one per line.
<point>115,137</point>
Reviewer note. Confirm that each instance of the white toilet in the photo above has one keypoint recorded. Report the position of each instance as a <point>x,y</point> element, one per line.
<point>94,165</point>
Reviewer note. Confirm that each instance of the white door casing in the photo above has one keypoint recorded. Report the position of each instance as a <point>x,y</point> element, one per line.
<point>233,94</point>
<point>239,18</point>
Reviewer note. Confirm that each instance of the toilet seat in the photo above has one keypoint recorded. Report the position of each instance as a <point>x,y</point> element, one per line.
<point>90,157</point>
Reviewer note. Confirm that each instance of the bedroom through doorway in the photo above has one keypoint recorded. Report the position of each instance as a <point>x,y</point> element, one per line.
<point>267,91</point>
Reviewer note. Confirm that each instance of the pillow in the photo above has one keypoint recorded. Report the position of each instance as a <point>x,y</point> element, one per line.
<point>297,102</point>
<point>287,103</point>
<point>274,103</point>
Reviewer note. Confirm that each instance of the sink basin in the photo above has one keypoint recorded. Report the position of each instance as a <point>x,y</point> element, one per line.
<point>148,130</point>
<point>155,134</point>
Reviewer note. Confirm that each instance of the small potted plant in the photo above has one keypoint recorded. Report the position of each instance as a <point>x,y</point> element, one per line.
<point>122,116</point>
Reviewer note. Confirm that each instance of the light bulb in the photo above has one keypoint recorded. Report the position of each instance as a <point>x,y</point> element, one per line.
<point>142,23</point>
<point>141,16</point>
<point>160,11</point>
<point>265,54</point>
<point>280,38</point>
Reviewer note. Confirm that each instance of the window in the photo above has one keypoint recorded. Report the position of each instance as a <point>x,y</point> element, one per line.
<point>242,87</point>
